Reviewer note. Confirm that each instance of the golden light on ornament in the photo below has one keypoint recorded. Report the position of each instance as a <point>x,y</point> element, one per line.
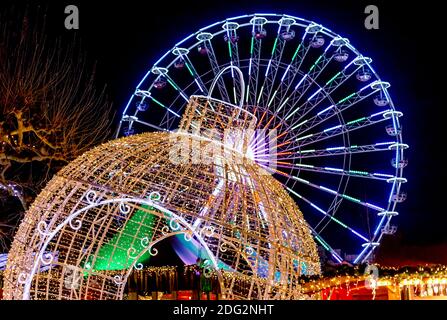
<point>129,194</point>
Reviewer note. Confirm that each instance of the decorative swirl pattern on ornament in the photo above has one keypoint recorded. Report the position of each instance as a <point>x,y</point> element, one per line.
<point>249,250</point>
<point>145,242</point>
<point>47,258</point>
<point>207,271</point>
<point>42,227</point>
<point>188,235</point>
<point>152,251</point>
<point>138,266</point>
<point>75,224</point>
<point>174,225</point>
<point>23,277</point>
<point>92,197</point>
<point>118,279</point>
<point>124,208</point>
<point>165,230</point>
<point>223,247</point>
<point>207,231</point>
<point>155,196</point>
<point>131,253</point>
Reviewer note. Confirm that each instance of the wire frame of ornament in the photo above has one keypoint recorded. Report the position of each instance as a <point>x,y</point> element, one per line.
<point>132,193</point>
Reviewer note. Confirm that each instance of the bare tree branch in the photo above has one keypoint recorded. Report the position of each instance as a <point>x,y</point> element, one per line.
<point>50,110</point>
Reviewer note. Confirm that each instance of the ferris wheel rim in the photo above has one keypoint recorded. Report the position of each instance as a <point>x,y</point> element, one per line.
<point>383,86</point>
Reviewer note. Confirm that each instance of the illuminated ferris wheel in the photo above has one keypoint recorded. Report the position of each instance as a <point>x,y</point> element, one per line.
<point>338,142</point>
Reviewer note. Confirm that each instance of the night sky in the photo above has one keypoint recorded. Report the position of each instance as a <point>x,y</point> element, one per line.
<point>126,37</point>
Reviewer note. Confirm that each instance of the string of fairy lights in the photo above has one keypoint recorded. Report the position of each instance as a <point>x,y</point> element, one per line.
<point>424,280</point>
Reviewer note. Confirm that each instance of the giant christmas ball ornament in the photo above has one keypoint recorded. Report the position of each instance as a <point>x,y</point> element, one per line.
<point>103,213</point>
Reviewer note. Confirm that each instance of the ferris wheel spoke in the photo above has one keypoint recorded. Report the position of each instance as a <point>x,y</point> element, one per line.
<point>147,94</point>
<point>306,82</point>
<point>340,77</point>
<point>334,131</point>
<point>325,245</point>
<point>330,86</point>
<point>232,41</point>
<point>176,87</point>
<point>284,34</point>
<point>323,92</point>
<point>258,32</point>
<point>290,73</point>
<point>320,64</point>
<point>216,69</point>
<point>195,75</point>
<point>258,146</point>
<point>341,150</point>
<point>330,191</point>
<point>337,171</point>
<point>333,110</point>
<point>314,72</point>
<point>326,214</point>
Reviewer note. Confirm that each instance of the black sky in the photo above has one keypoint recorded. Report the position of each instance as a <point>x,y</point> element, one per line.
<point>127,37</point>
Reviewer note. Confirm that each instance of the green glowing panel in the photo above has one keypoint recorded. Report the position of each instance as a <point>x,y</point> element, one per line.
<point>114,254</point>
